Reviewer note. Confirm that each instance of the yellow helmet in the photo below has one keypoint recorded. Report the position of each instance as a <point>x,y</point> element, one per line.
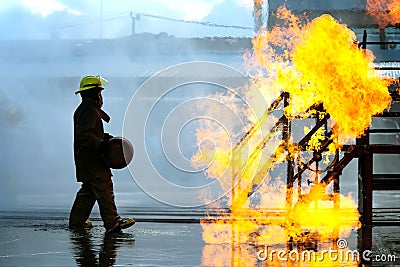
<point>90,81</point>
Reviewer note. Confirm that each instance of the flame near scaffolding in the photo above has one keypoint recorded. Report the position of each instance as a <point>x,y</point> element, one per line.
<point>303,70</point>
<point>385,12</point>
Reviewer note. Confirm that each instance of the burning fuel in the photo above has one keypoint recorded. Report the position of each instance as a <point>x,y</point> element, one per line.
<point>322,64</point>
<point>296,67</point>
<point>385,12</point>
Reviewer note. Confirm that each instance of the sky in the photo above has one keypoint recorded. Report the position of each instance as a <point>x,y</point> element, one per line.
<point>43,19</point>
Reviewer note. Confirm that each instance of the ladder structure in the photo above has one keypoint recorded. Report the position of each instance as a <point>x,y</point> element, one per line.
<point>362,149</point>
<point>369,181</point>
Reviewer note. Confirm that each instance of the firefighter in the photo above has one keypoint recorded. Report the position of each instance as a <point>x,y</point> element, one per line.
<point>91,170</point>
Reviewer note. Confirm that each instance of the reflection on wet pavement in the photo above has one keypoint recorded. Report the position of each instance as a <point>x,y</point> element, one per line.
<point>43,240</point>
<point>85,252</point>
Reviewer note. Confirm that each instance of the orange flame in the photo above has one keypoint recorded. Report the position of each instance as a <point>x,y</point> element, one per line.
<point>321,64</point>
<point>316,63</point>
<point>385,12</point>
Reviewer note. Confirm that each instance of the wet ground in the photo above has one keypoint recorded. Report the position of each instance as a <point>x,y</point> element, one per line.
<point>47,242</point>
<point>157,239</point>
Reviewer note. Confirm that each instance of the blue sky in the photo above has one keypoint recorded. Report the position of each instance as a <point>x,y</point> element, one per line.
<point>43,19</point>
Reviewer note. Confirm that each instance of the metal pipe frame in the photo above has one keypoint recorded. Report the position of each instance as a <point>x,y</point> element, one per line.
<point>362,150</point>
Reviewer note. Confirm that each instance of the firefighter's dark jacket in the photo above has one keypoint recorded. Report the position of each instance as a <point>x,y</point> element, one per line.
<point>88,134</point>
